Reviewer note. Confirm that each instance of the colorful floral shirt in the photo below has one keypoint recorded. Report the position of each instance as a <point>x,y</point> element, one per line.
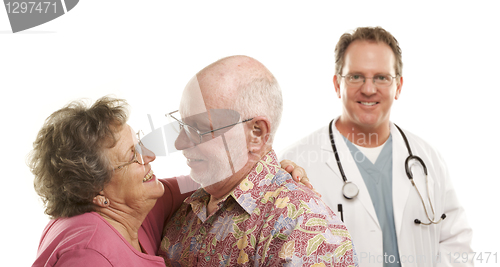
<point>268,220</point>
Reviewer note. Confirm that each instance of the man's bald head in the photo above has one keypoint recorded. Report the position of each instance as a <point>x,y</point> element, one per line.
<point>242,84</point>
<point>239,68</point>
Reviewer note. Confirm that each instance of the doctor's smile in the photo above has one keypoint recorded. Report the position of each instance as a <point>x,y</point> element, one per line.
<point>368,103</point>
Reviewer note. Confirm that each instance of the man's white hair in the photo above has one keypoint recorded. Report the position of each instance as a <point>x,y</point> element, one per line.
<point>260,96</point>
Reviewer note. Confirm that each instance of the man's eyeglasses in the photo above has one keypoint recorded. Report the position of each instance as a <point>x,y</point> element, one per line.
<point>201,131</point>
<point>139,149</point>
<point>380,81</point>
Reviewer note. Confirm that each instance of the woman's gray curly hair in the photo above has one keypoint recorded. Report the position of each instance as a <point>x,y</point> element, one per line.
<point>68,158</point>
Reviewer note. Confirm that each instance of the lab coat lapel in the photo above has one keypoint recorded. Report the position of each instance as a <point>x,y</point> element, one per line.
<point>400,182</point>
<point>351,171</point>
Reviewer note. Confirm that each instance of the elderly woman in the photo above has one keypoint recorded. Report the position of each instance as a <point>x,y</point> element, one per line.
<point>95,179</point>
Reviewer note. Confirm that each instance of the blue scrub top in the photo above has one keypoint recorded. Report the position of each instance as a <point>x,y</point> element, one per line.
<point>378,181</point>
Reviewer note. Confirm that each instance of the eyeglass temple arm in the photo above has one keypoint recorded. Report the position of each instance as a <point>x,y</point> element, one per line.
<point>170,114</point>
<point>227,126</point>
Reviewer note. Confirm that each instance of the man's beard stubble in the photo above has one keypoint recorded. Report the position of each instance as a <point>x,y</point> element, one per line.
<point>221,163</point>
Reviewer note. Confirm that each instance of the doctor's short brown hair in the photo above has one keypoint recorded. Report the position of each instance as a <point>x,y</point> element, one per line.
<point>69,159</point>
<point>374,34</point>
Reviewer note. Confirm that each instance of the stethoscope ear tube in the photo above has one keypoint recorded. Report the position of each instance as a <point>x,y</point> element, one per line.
<point>335,152</point>
<point>410,176</point>
<point>349,189</point>
<point>407,165</point>
<point>411,156</point>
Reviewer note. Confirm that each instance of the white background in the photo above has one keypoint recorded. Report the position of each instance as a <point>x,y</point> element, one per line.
<point>146,51</point>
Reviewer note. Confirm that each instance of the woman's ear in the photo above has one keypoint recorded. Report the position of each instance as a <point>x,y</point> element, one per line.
<point>259,135</point>
<point>100,200</point>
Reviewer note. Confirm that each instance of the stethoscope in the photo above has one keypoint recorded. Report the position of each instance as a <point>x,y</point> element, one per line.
<point>350,190</point>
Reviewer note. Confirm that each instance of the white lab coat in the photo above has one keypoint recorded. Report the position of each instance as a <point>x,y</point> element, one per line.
<point>419,245</point>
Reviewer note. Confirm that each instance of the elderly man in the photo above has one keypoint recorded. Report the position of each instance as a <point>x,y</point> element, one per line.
<point>249,211</point>
<point>392,188</point>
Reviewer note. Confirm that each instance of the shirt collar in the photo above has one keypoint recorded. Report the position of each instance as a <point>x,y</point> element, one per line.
<point>249,190</point>
<point>261,175</point>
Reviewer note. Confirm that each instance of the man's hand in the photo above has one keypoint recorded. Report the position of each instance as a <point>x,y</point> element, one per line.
<point>298,173</point>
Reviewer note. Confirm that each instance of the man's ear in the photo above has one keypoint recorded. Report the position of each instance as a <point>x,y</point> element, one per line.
<point>398,89</point>
<point>259,135</point>
<point>100,200</point>
<point>336,84</point>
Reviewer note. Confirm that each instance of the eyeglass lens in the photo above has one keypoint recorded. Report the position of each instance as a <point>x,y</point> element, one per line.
<point>139,150</point>
<point>207,125</point>
<point>379,80</point>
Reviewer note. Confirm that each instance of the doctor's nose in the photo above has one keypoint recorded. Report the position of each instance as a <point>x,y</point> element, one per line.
<point>368,88</point>
<point>183,141</point>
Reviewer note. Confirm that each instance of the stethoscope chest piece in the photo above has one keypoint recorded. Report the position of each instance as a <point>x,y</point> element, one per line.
<point>350,190</point>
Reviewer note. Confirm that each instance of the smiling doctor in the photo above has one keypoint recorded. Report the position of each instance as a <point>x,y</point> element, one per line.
<point>390,187</point>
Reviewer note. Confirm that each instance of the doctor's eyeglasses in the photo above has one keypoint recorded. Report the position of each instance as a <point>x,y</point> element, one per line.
<point>380,81</point>
<point>201,126</point>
